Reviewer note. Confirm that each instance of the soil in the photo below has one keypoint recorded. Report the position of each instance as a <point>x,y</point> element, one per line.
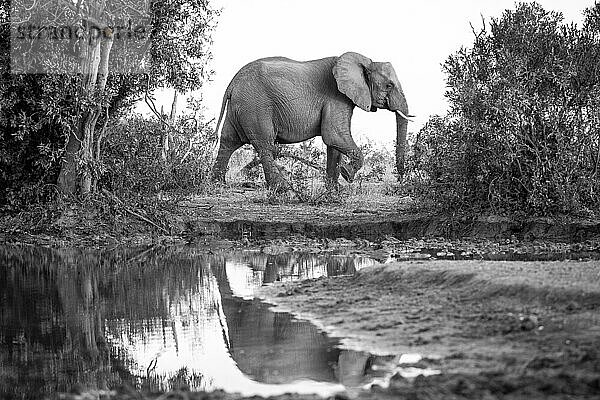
<point>493,329</point>
<point>370,213</point>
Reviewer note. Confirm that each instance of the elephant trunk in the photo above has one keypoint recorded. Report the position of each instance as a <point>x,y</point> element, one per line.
<point>401,128</point>
<point>397,103</point>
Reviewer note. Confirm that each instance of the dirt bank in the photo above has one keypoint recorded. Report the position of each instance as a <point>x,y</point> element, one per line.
<point>246,216</point>
<point>495,329</point>
<point>372,216</point>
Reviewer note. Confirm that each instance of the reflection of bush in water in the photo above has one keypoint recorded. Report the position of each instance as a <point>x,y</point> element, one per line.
<point>148,289</point>
<point>141,287</point>
<point>182,379</point>
<point>290,266</point>
<point>340,266</point>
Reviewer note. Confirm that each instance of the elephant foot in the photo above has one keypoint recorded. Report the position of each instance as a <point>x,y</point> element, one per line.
<point>332,185</point>
<point>347,172</point>
<point>218,178</point>
<point>279,185</point>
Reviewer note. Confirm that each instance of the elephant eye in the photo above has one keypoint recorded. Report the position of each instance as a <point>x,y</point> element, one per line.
<point>389,86</point>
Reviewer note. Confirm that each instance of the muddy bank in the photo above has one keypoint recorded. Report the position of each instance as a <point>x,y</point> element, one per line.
<point>250,216</point>
<point>495,329</point>
<point>399,225</point>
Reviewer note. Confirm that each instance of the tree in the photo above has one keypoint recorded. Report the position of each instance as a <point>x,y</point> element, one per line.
<point>523,128</point>
<point>107,56</point>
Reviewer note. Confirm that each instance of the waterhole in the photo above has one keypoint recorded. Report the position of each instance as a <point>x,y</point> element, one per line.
<point>159,320</point>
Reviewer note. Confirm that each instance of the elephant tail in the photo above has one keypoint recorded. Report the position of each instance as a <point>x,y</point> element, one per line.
<point>226,98</point>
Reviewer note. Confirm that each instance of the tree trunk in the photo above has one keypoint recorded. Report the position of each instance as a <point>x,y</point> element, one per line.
<point>166,134</point>
<point>68,179</point>
<point>174,108</point>
<point>88,176</point>
<point>76,174</point>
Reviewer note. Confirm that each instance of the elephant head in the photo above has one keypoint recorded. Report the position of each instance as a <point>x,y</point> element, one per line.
<point>372,85</point>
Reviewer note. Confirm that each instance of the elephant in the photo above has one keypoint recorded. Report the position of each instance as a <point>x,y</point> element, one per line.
<point>277,100</point>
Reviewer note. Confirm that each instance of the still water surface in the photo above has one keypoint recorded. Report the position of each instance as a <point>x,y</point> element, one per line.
<point>157,320</point>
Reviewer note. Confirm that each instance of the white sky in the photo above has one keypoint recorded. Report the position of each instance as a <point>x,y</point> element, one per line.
<point>416,37</point>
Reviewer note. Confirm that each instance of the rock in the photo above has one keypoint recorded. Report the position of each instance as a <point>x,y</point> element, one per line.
<point>529,322</point>
<point>462,387</point>
<point>397,381</point>
<point>544,362</point>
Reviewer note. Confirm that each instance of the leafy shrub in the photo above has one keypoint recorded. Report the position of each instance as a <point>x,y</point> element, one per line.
<point>301,162</point>
<point>379,162</point>
<point>133,161</point>
<point>523,129</point>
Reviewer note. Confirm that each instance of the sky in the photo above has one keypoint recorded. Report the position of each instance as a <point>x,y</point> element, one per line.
<point>416,37</point>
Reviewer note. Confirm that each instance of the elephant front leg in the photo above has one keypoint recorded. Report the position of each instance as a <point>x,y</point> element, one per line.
<point>335,130</point>
<point>349,170</point>
<point>333,168</point>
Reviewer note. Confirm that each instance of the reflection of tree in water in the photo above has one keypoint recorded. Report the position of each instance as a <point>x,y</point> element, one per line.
<point>171,323</point>
<point>160,319</point>
<point>50,322</point>
<point>59,304</point>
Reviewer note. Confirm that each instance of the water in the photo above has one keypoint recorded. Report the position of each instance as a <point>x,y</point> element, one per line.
<point>157,320</point>
<point>438,253</point>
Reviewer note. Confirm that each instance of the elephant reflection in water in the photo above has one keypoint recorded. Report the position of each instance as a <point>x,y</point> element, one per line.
<point>246,272</point>
<point>355,368</point>
<point>274,347</point>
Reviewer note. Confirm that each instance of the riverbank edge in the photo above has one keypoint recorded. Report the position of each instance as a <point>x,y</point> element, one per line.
<point>93,230</point>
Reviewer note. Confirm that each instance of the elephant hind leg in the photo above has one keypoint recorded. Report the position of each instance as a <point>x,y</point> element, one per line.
<point>273,175</point>
<point>262,137</point>
<point>230,142</point>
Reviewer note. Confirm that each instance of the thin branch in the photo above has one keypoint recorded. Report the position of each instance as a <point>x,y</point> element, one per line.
<point>304,161</point>
<point>101,133</point>
<point>135,214</point>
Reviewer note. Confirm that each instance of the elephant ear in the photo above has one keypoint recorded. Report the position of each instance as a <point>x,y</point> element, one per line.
<point>349,73</point>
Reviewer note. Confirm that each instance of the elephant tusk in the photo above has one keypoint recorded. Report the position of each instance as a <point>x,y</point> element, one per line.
<point>406,117</point>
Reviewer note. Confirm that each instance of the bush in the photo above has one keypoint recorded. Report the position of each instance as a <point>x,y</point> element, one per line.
<point>133,162</point>
<point>379,162</point>
<point>523,128</point>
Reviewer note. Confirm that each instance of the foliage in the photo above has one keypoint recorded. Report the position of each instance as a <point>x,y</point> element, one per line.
<point>304,163</point>
<point>523,129</point>
<point>133,163</point>
<point>39,111</point>
<point>379,162</point>
<point>305,166</point>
